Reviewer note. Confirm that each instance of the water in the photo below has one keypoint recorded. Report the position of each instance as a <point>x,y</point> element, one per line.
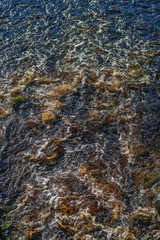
<point>79,110</point>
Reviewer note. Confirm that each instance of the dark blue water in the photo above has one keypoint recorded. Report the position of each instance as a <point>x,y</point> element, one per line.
<point>39,34</point>
<point>79,120</point>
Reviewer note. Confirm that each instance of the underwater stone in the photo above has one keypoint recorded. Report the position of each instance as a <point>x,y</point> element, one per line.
<point>48,116</point>
<point>16,91</point>
<point>4,112</point>
<point>49,160</point>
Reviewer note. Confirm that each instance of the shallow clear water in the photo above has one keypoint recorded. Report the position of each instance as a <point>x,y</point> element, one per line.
<point>79,110</point>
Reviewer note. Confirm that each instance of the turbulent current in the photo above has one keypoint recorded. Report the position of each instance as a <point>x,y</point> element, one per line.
<point>79,120</point>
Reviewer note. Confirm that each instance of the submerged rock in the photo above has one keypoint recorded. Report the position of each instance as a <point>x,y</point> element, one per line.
<point>4,112</point>
<point>49,160</point>
<point>48,116</point>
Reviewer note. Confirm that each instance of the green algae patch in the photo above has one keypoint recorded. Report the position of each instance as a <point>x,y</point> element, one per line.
<point>1,139</point>
<point>149,176</point>
<point>5,222</point>
<point>18,100</point>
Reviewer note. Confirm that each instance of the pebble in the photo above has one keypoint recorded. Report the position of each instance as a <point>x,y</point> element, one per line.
<point>48,116</point>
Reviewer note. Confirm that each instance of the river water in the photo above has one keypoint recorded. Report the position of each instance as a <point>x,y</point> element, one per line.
<point>79,120</point>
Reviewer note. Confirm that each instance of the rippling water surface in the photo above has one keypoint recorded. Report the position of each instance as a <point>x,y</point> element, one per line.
<point>79,120</point>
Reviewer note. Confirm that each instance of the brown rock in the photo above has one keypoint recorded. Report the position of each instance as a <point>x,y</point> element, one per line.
<point>48,116</point>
